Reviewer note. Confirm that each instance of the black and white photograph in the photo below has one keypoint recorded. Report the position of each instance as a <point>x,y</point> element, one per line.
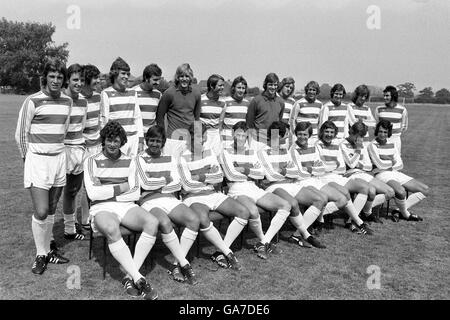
<point>225,155</point>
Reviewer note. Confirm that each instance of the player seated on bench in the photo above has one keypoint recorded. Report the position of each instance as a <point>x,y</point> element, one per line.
<point>159,179</point>
<point>358,165</point>
<point>200,172</point>
<point>282,179</point>
<point>388,163</point>
<point>242,168</point>
<point>111,184</point>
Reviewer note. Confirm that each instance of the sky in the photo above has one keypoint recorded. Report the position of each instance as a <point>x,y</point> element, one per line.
<point>376,42</point>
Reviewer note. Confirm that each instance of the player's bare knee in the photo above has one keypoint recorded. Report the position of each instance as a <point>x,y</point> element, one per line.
<point>284,205</point>
<point>401,193</point>
<point>341,202</point>
<point>165,225</point>
<point>242,212</point>
<point>254,213</point>
<point>320,201</point>
<point>372,193</point>
<point>390,193</point>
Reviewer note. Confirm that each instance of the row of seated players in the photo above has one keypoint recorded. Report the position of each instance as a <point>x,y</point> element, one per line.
<point>303,184</point>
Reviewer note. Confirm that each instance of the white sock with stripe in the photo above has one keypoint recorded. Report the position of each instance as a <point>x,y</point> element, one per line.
<point>171,241</point>
<point>275,225</point>
<point>39,230</point>
<point>234,229</point>
<point>213,236</point>
<point>414,198</point>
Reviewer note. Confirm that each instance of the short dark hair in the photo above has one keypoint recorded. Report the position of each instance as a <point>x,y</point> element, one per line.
<point>213,80</point>
<point>111,130</point>
<point>302,126</point>
<point>90,71</point>
<point>156,131</point>
<point>281,126</point>
<point>327,125</point>
<point>236,81</point>
<point>337,87</point>
<point>54,65</point>
<point>314,85</point>
<point>393,91</point>
<point>118,65</point>
<point>359,129</point>
<point>385,124</point>
<point>151,70</point>
<point>271,77</point>
<point>361,90</point>
<point>73,68</point>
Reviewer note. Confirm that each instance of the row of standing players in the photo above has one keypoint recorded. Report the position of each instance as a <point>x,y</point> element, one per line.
<point>52,142</point>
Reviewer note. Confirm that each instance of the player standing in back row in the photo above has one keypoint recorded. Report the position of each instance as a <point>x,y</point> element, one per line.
<point>395,113</point>
<point>120,103</point>
<point>148,96</point>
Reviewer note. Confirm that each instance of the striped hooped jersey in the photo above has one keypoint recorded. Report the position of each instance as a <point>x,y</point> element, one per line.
<point>397,115</point>
<point>355,160</point>
<point>278,164</point>
<point>42,124</point>
<point>288,106</point>
<point>233,112</point>
<point>307,161</point>
<point>91,130</point>
<point>157,176</point>
<point>205,168</point>
<point>148,103</point>
<point>363,114</point>
<point>102,177</point>
<point>331,156</point>
<point>123,107</point>
<point>303,111</point>
<point>338,115</point>
<point>385,156</point>
<point>74,135</point>
<point>248,160</point>
<point>210,111</point>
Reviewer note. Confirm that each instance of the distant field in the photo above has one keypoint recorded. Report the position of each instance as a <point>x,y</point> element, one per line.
<point>413,257</point>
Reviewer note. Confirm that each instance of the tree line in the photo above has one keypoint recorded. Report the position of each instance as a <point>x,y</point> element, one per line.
<point>26,46</point>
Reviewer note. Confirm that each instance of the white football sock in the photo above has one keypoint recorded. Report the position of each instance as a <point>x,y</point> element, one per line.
<point>39,230</point>
<point>414,198</point>
<point>213,236</point>
<point>234,229</point>
<point>275,225</point>
<point>120,251</point>
<point>171,241</point>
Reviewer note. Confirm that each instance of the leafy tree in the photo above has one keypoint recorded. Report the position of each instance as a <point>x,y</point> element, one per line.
<point>426,95</point>
<point>24,49</point>
<point>442,96</point>
<point>406,90</point>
